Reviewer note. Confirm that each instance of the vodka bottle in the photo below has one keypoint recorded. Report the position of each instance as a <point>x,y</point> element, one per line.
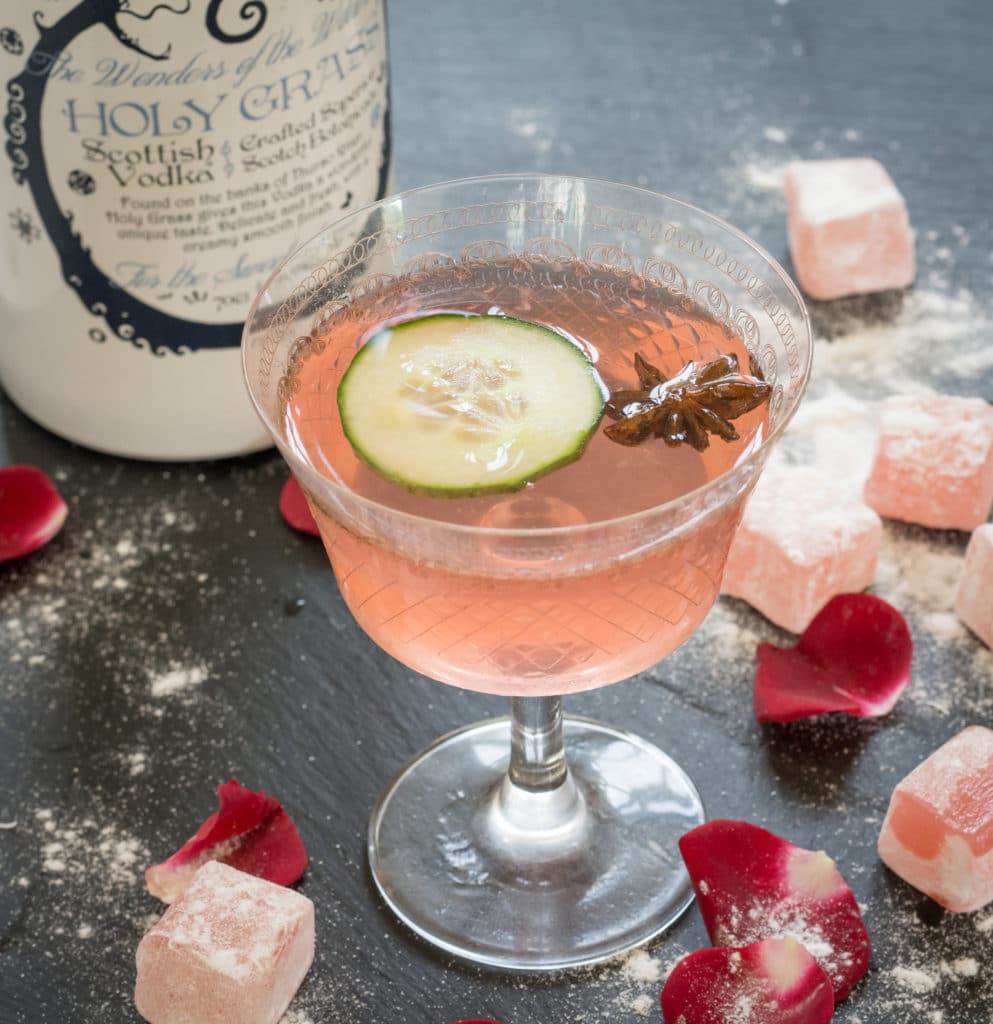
<point>162,158</point>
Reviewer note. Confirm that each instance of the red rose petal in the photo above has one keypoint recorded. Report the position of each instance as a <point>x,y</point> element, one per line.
<point>249,831</point>
<point>31,511</point>
<point>775,981</point>
<point>853,657</point>
<point>752,885</point>
<point>294,508</point>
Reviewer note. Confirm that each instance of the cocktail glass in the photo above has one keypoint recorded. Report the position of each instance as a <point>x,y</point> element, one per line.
<point>533,842</point>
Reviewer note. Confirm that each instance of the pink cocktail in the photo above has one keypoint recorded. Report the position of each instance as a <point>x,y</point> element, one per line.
<point>493,844</point>
<point>511,625</point>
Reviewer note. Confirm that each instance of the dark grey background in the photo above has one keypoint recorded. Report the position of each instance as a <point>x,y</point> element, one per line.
<point>703,100</point>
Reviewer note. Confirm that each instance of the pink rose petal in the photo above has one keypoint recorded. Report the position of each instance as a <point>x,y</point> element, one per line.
<point>775,981</point>
<point>249,831</point>
<point>853,657</point>
<point>294,508</point>
<point>752,885</point>
<point>31,511</point>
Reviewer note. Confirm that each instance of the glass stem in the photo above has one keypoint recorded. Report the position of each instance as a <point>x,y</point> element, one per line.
<point>537,747</point>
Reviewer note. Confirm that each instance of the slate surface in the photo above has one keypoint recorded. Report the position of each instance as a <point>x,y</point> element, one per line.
<point>188,568</point>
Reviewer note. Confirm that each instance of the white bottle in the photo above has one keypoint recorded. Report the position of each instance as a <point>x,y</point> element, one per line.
<point>161,158</point>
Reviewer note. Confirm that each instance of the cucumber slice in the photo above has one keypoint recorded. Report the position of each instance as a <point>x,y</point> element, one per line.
<point>458,405</point>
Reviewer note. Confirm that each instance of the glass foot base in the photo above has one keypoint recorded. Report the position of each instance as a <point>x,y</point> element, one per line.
<point>535,881</point>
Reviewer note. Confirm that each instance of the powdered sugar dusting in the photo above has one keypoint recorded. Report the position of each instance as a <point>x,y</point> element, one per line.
<point>914,979</point>
<point>643,1005</point>
<point>917,990</point>
<point>781,918</point>
<point>913,570</point>
<point>87,586</point>
<point>89,868</point>
<point>177,679</point>
<point>984,924</point>
<point>75,852</point>
<point>765,177</point>
<point>293,1016</point>
<point>638,977</point>
<point>641,968</point>
<point>880,345</point>
<point>963,967</point>
<point>836,434</point>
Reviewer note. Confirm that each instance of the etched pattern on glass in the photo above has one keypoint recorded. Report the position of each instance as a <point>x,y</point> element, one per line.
<point>646,233</point>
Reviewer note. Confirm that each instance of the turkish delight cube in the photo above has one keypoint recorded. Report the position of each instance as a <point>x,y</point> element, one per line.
<point>934,461</point>
<point>802,540</point>
<point>848,228</point>
<point>232,949</point>
<point>938,831</point>
<point>974,598</point>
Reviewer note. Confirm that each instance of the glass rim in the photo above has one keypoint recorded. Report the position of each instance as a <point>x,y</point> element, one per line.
<point>690,497</point>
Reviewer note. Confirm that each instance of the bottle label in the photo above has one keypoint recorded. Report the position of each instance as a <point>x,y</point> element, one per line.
<point>174,152</point>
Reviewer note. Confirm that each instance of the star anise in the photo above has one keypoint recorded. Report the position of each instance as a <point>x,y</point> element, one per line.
<point>700,400</point>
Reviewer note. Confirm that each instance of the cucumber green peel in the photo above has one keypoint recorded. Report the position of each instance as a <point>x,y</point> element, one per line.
<point>455,405</point>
